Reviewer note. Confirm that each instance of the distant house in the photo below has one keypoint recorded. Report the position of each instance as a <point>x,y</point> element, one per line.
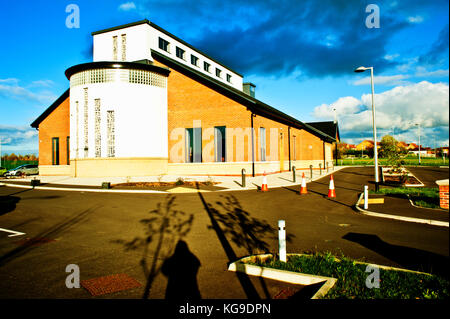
<point>412,146</point>
<point>365,145</point>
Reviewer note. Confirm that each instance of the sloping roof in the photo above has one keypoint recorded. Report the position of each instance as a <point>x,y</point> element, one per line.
<point>50,109</point>
<point>328,127</point>
<point>254,105</point>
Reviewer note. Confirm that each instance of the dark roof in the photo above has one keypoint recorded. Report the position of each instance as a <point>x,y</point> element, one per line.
<point>328,127</point>
<point>254,105</point>
<point>145,21</point>
<point>50,109</point>
<point>141,65</point>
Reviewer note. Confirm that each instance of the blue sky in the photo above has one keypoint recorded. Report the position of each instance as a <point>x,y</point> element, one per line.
<point>300,54</point>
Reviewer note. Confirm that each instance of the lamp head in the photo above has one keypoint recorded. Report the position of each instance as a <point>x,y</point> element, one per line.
<point>360,69</point>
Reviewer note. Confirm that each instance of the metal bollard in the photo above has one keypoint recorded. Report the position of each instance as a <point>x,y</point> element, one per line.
<point>282,239</point>
<point>310,171</point>
<point>320,168</point>
<point>293,174</point>
<point>366,197</point>
<point>243,177</point>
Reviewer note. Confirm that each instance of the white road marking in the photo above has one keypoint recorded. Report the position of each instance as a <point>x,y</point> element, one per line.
<point>14,233</point>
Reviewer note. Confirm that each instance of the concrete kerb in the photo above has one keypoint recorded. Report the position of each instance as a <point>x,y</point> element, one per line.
<point>397,217</point>
<point>81,189</point>
<point>296,277</point>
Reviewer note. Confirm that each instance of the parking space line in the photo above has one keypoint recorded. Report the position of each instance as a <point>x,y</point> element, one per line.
<point>13,233</point>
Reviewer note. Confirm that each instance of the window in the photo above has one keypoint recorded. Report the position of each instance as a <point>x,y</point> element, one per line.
<point>295,148</point>
<point>86,123</point>
<point>180,53</point>
<point>219,144</point>
<point>206,66</point>
<point>114,48</point>
<point>218,71</point>
<point>164,45</point>
<point>194,145</point>
<point>262,137</point>
<point>228,78</point>
<point>68,149</point>
<point>124,47</point>
<point>55,151</point>
<point>110,133</point>
<point>98,137</point>
<point>77,114</point>
<point>194,60</point>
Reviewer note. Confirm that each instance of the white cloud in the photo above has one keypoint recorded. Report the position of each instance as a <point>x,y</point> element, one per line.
<point>422,72</point>
<point>416,19</point>
<point>399,108</point>
<point>383,79</point>
<point>127,6</point>
<point>22,139</point>
<point>42,83</point>
<point>10,88</point>
<point>391,57</point>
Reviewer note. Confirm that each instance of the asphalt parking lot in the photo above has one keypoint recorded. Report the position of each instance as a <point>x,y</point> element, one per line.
<point>134,234</point>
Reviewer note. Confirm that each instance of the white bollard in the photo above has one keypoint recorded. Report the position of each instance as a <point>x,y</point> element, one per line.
<point>366,197</point>
<point>282,240</point>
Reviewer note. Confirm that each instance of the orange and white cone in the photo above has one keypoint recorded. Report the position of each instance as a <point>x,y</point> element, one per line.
<point>331,191</point>
<point>303,189</point>
<point>264,187</point>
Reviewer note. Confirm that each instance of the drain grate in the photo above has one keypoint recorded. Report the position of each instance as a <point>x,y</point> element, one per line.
<point>37,241</point>
<point>109,284</point>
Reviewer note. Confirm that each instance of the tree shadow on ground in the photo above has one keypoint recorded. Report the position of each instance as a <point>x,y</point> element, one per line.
<point>8,204</point>
<point>164,228</point>
<point>406,257</point>
<point>244,231</point>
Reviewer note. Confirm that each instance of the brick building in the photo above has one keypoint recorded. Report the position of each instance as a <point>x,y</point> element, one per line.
<point>152,104</point>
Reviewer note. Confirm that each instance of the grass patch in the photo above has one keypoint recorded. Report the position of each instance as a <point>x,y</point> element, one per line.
<point>384,161</point>
<point>351,278</point>
<point>423,197</point>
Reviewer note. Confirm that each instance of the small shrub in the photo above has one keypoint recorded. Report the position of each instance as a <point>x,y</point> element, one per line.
<point>180,181</point>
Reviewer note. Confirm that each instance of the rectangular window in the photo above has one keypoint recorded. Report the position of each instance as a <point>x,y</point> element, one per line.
<point>110,133</point>
<point>98,136</point>
<point>124,47</point>
<point>114,48</point>
<point>218,72</point>
<point>228,78</point>
<point>206,66</point>
<point>55,151</point>
<point>68,149</point>
<point>164,45</point>
<point>86,123</point>
<point>194,60</point>
<point>180,53</point>
<point>219,144</point>
<point>262,138</point>
<point>194,145</point>
<point>295,148</point>
<point>77,129</point>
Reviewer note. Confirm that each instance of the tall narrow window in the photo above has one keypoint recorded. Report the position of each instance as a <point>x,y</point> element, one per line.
<point>194,145</point>
<point>124,47</point>
<point>194,60</point>
<point>206,66</point>
<point>164,45</point>
<point>262,137</point>
<point>219,143</point>
<point>228,78</point>
<point>86,123</point>
<point>77,129</point>
<point>218,73</point>
<point>110,133</point>
<point>55,151</point>
<point>295,148</point>
<point>68,149</point>
<point>98,136</point>
<point>180,53</point>
<point>114,48</point>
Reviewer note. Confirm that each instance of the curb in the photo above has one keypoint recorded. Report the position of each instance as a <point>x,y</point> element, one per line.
<point>151,191</point>
<point>412,203</point>
<point>401,218</point>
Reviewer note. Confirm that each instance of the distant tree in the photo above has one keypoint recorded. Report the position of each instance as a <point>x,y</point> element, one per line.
<point>12,157</point>
<point>389,150</point>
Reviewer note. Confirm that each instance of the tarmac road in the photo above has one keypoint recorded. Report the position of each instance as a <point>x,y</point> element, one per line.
<point>93,230</point>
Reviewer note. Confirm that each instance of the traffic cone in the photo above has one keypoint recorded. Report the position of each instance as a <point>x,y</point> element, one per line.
<point>264,187</point>
<point>331,191</point>
<point>303,189</point>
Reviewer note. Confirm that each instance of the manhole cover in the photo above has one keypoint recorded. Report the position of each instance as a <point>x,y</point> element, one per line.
<point>34,241</point>
<point>109,284</point>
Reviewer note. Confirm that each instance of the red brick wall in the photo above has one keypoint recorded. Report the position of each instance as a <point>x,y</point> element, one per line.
<point>443,196</point>
<point>56,124</point>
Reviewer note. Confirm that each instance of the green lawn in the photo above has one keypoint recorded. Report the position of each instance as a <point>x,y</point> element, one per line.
<point>431,161</point>
<point>351,279</point>
<point>424,197</point>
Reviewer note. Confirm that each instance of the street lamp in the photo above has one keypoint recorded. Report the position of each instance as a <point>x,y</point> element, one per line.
<point>418,124</point>
<point>377,181</point>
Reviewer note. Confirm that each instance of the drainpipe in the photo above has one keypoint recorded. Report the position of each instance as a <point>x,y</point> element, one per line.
<point>324,154</point>
<point>253,145</point>
<point>289,147</point>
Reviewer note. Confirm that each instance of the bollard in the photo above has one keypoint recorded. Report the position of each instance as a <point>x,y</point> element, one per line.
<point>243,177</point>
<point>282,240</point>
<point>320,168</point>
<point>293,174</point>
<point>328,166</point>
<point>106,185</point>
<point>366,197</point>
<point>310,170</point>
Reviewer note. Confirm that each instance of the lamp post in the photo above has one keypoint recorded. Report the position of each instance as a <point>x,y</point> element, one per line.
<point>375,151</point>
<point>418,124</point>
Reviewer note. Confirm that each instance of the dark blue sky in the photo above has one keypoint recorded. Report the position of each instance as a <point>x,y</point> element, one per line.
<point>300,54</point>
